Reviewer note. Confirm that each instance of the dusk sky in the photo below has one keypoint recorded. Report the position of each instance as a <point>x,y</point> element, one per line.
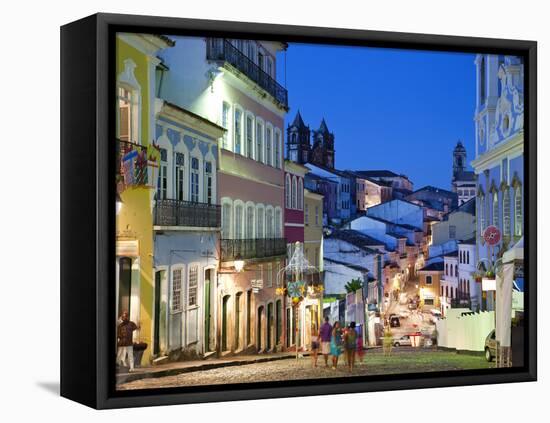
<point>390,109</point>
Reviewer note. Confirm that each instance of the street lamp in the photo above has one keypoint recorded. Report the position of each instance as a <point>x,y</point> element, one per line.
<point>238,263</point>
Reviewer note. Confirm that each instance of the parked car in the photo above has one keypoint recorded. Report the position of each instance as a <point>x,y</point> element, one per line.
<point>490,346</point>
<point>394,321</point>
<point>405,340</point>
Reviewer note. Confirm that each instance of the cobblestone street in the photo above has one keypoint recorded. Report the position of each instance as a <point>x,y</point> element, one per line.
<point>374,363</point>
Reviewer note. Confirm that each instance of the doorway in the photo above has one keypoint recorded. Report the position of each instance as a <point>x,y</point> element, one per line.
<point>124,285</point>
<point>269,326</point>
<point>208,321</point>
<point>225,304</point>
<point>156,317</point>
<point>259,327</point>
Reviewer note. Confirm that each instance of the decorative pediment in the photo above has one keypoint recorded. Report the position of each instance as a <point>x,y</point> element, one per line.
<point>516,182</point>
<point>127,76</point>
<point>493,187</point>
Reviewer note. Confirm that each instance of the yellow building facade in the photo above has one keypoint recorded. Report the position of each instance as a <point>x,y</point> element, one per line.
<point>136,179</point>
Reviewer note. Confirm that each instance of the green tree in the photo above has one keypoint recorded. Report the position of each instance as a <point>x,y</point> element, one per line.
<point>353,285</point>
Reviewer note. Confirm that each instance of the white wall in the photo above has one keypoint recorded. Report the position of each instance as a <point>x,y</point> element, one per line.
<point>465,332</point>
<point>37,42</point>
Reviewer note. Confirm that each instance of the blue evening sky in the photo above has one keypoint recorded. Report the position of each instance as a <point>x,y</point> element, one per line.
<point>400,110</point>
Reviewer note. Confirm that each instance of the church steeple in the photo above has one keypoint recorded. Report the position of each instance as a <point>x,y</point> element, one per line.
<point>323,146</point>
<point>297,140</point>
<point>459,160</point>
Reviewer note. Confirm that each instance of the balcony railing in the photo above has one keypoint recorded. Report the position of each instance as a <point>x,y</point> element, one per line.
<point>133,165</point>
<point>252,248</point>
<point>219,49</point>
<point>187,213</point>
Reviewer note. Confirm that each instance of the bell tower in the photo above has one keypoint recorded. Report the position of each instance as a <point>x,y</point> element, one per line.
<point>297,141</point>
<point>323,146</point>
<point>459,160</point>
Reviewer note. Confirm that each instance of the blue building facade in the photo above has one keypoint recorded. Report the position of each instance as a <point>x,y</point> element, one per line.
<point>498,164</point>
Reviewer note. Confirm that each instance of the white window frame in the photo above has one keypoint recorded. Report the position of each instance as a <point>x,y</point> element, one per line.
<point>227,205</point>
<point>228,134</point>
<point>277,150</point>
<point>183,282</point>
<point>294,197</point>
<point>249,116</point>
<point>288,191</point>
<point>127,80</point>
<point>236,234</point>
<point>238,139</point>
<point>247,227</point>
<point>260,223</point>
<point>269,144</point>
<point>260,140</point>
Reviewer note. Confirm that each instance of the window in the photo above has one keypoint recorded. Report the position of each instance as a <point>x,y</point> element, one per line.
<point>269,275</point>
<point>482,82</point>
<point>226,108</point>
<point>300,194</point>
<point>194,180</point>
<point>306,214</point>
<point>127,115</point>
<point>495,208</point>
<point>260,272</point>
<point>429,301</point>
<point>238,130</point>
<point>176,290</point>
<point>259,142</point>
<point>193,283</point>
<point>447,291</point>
<point>278,223</point>
<point>452,231</point>
<point>316,215</point>
<point>238,221</point>
<point>294,192</point>
<point>251,50</point>
<point>518,214</point>
<point>428,280</point>
<point>249,136</point>
<point>277,150</point>
<point>226,220</point>
<point>447,269</point>
<point>481,214</point>
<point>260,222</point>
<point>180,176</point>
<point>269,67</point>
<point>506,227</point>
<point>269,223</point>
<point>456,270</point>
<point>288,192</point>
<point>162,186</point>
<point>268,140</point>
<point>316,258</point>
<point>208,182</point>
<point>467,257</point>
<point>249,227</point>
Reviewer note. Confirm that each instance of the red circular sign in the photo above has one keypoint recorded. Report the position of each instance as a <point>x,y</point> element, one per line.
<point>491,235</point>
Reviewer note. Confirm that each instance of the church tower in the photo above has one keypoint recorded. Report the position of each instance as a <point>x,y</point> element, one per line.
<point>323,146</point>
<point>297,141</point>
<point>459,160</point>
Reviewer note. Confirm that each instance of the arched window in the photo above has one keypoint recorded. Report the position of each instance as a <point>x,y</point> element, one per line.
<point>518,211</point>
<point>506,217</point>
<point>260,142</point>
<point>467,257</point>
<point>278,223</point>
<point>239,233</point>
<point>294,192</point>
<point>249,227</point>
<point>226,220</point>
<point>277,150</point>
<point>495,209</point>
<point>456,269</point>
<point>447,269</point>
<point>288,191</point>
<point>268,146</point>
<point>481,213</point>
<point>482,80</point>
<point>300,194</point>
<point>260,222</point>
<point>447,291</point>
<point>269,223</point>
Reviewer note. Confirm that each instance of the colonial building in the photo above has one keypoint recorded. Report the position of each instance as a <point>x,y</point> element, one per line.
<point>400,184</point>
<point>430,284</point>
<point>137,166</point>
<point>464,181</point>
<point>468,288</point>
<point>449,283</point>
<point>219,79</point>
<point>438,201</point>
<point>499,119</point>
<point>456,226</point>
<point>322,150</point>
<point>328,188</point>
<point>187,222</point>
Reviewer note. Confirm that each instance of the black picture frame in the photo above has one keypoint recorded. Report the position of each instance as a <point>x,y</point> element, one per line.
<point>88,212</point>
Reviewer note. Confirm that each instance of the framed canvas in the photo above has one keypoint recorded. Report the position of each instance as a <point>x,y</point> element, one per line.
<point>259,211</point>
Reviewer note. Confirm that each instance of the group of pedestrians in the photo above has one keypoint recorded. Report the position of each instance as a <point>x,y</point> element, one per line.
<point>335,340</point>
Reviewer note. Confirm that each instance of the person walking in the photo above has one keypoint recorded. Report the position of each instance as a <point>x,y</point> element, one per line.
<point>325,334</point>
<point>350,345</point>
<point>125,341</point>
<point>314,345</point>
<point>336,344</point>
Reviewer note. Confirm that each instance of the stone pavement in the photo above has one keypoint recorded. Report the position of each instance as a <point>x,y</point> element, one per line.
<point>179,367</point>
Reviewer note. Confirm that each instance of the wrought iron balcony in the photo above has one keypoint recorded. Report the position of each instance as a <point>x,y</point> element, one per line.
<point>252,248</point>
<point>187,213</point>
<point>133,165</point>
<point>221,50</point>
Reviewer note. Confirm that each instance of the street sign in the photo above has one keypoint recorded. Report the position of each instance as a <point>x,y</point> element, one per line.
<point>491,235</point>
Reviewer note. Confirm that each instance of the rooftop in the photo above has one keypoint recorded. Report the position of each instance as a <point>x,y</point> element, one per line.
<point>356,238</point>
<point>380,174</point>
<point>350,265</point>
<point>433,267</point>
